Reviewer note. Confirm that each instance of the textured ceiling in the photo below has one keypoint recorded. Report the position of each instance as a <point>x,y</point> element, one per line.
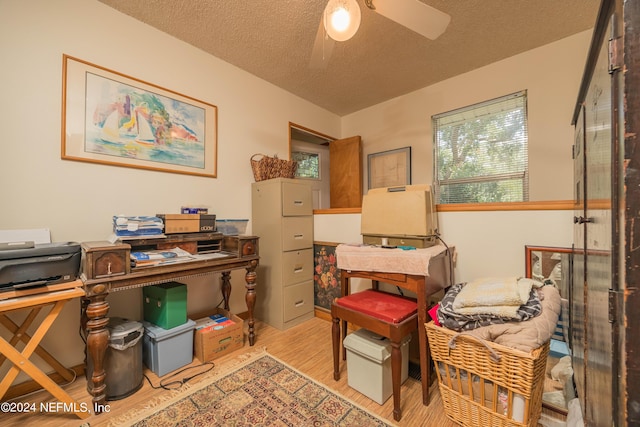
<point>273,39</point>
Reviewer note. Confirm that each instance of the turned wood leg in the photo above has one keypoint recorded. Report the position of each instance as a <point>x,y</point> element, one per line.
<point>335,341</point>
<point>225,286</point>
<point>95,312</point>
<point>396,378</point>
<point>84,303</point>
<point>250,298</point>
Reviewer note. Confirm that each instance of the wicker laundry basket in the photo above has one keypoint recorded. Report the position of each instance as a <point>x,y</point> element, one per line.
<point>265,167</point>
<point>479,390</point>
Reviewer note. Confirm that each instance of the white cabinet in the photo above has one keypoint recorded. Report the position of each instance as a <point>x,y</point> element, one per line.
<point>282,216</point>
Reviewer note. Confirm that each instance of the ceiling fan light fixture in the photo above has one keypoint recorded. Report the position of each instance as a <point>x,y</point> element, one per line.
<point>341,19</point>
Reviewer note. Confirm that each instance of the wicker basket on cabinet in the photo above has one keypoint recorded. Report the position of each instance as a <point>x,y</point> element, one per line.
<point>265,167</point>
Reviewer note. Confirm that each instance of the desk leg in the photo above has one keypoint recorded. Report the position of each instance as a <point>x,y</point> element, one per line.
<point>426,290</point>
<point>250,298</point>
<point>345,279</point>
<point>425,358</point>
<point>335,340</point>
<point>95,309</point>
<point>396,378</point>
<point>225,284</point>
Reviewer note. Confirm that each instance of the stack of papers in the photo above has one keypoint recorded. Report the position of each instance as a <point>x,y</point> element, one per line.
<point>131,226</point>
<point>160,257</point>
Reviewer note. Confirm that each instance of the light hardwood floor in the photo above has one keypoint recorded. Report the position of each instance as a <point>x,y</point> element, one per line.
<point>306,347</point>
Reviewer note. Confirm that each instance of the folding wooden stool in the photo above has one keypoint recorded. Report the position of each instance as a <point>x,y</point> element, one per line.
<point>20,360</point>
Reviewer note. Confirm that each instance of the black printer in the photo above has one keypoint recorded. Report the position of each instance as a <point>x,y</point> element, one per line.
<point>42,264</point>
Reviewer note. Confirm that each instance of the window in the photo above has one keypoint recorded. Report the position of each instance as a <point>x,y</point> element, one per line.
<point>308,164</point>
<point>481,152</point>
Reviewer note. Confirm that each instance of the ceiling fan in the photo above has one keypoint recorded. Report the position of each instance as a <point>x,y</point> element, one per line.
<point>341,19</point>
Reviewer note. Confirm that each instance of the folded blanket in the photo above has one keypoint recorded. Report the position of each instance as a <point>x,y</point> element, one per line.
<point>492,291</point>
<point>528,335</point>
<point>452,319</point>
<point>372,258</point>
<point>504,311</point>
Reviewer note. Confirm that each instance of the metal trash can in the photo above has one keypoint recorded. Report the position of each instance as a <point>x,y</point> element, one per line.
<point>123,358</point>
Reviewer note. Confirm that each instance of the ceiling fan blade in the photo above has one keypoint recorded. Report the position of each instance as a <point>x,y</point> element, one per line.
<point>417,16</point>
<point>322,49</point>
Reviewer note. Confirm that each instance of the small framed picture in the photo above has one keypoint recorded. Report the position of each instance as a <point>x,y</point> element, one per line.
<point>390,168</point>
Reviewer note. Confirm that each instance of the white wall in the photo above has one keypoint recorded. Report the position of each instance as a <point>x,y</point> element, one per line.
<point>76,200</point>
<point>487,243</point>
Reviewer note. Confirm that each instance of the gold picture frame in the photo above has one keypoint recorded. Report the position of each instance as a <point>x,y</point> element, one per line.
<point>113,119</point>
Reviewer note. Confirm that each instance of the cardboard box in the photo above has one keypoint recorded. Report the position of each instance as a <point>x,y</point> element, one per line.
<point>207,223</point>
<point>188,223</point>
<point>214,340</point>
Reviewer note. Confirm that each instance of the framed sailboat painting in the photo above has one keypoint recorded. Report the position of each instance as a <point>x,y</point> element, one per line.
<point>114,119</point>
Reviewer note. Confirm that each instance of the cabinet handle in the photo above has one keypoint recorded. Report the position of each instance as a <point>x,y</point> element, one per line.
<point>298,236</point>
<point>297,269</point>
<point>581,220</point>
<point>298,202</point>
<point>299,303</point>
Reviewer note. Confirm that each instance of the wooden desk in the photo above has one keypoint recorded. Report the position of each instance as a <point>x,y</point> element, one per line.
<point>422,285</point>
<point>20,360</point>
<point>240,253</point>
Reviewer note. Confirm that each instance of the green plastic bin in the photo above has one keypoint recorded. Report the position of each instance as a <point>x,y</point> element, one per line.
<point>165,305</point>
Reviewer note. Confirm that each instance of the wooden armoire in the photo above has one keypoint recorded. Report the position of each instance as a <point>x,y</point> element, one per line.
<point>605,280</point>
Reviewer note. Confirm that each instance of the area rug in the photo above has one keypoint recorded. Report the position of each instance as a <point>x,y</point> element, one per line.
<point>255,390</point>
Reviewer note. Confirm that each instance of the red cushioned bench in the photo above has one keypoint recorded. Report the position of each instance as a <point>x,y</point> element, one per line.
<point>389,315</point>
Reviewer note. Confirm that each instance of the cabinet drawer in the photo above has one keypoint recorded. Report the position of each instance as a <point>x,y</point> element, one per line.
<point>297,233</point>
<point>297,266</point>
<point>296,199</point>
<point>298,300</point>
<point>104,259</point>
